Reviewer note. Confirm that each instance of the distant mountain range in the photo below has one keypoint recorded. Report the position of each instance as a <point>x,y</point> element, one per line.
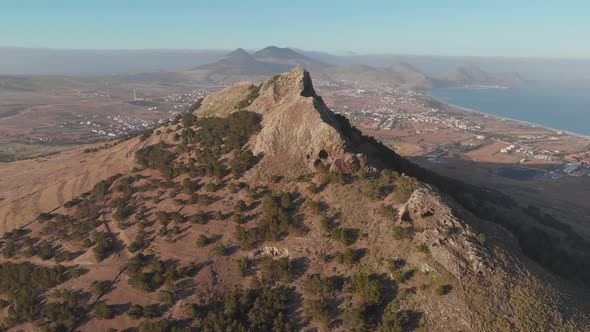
<point>241,65</point>
<point>472,75</point>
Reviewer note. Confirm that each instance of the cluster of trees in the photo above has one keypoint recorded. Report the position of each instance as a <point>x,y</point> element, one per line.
<point>158,157</point>
<point>321,295</point>
<point>24,286</point>
<point>369,290</point>
<point>277,270</point>
<point>150,273</point>
<point>146,274</point>
<point>274,223</point>
<point>139,240</point>
<point>103,245</point>
<point>100,190</point>
<point>62,315</point>
<point>261,309</point>
<point>345,235</point>
<point>243,161</point>
<point>253,91</point>
<point>223,135</point>
<point>349,256</point>
<point>149,311</point>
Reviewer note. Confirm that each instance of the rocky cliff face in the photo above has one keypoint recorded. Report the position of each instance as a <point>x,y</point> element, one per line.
<point>298,130</point>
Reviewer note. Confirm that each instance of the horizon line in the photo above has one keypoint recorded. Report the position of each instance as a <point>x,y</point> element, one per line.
<point>296,49</point>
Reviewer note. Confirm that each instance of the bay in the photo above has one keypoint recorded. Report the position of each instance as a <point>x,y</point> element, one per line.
<point>565,108</point>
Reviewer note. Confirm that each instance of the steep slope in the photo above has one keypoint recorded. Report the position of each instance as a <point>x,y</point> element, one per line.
<point>266,211</point>
<point>32,186</point>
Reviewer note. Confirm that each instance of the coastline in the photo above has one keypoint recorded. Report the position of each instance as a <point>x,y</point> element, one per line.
<point>586,137</point>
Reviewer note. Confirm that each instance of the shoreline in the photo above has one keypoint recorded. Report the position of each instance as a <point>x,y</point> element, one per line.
<point>586,137</point>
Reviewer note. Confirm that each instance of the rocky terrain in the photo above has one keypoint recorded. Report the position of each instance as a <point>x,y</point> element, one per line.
<point>265,211</point>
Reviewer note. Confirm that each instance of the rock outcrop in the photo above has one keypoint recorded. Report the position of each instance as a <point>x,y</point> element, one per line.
<point>298,130</point>
<point>451,241</point>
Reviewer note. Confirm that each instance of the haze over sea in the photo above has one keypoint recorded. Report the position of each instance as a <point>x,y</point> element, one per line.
<point>565,108</point>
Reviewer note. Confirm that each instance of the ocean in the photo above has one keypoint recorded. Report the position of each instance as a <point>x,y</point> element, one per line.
<point>562,108</point>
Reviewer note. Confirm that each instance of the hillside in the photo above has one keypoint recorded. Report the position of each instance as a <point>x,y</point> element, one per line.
<point>265,211</point>
<point>398,74</point>
<point>473,75</point>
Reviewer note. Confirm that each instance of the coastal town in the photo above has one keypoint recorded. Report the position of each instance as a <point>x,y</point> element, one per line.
<point>436,130</point>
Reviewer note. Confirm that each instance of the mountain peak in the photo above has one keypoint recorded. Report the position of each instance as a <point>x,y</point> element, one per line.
<point>285,55</point>
<point>238,52</point>
<point>274,51</point>
<point>299,131</point>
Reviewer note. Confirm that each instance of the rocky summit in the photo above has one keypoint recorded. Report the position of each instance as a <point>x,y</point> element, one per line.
<point>262,210</point>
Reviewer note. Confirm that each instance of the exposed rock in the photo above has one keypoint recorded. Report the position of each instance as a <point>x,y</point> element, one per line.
<point>450,239</point>
<point>297,127</point>
<point>269,251</point>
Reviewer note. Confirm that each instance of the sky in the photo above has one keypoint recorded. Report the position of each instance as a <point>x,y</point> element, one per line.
<point>514,28</point>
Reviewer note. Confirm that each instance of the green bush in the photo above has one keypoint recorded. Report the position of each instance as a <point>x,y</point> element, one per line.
<point>103,311</point>
<point>423,248</point>
<point>276,270</point>
<point>219,249</point>
<point>243,265</point>
<point>443,289</point>
<point>400,233</point>
<point>202,241</point>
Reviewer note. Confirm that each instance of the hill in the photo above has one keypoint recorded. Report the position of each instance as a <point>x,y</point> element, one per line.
<point>264,211</point>
<point>286,56</point>
<point>398,74</point>
<point>473,75</point>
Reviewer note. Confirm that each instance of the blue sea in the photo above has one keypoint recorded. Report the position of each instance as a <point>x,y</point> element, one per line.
<point>559,107</point>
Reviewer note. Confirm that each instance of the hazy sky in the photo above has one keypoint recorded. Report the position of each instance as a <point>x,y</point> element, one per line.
<point>545,28</point>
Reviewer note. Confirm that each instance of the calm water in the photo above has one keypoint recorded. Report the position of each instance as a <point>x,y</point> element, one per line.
<point>557,107</point>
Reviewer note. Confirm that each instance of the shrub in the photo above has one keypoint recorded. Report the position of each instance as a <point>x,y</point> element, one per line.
<point>400,233</point>
<point>198,218</point>
<point>318,286</point>
<point>481,238</point>
<point>274,270</point>
<point>220,249</point>
<point>423,248</point>
<point>210,187</point>
<point>243,265</point>
<point>405,186</point>
<point>99,287</point>
<point>344,235</point>
<point>240,206</point>
<point>202,241</point>
<point>444,289</point>
<point>348,257</point>
<point>103,245</point>
<point>242,162</point>
<point>369,289</point>
<point>135,312</point>
<point>319,311</point>
<point>103,311</point>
